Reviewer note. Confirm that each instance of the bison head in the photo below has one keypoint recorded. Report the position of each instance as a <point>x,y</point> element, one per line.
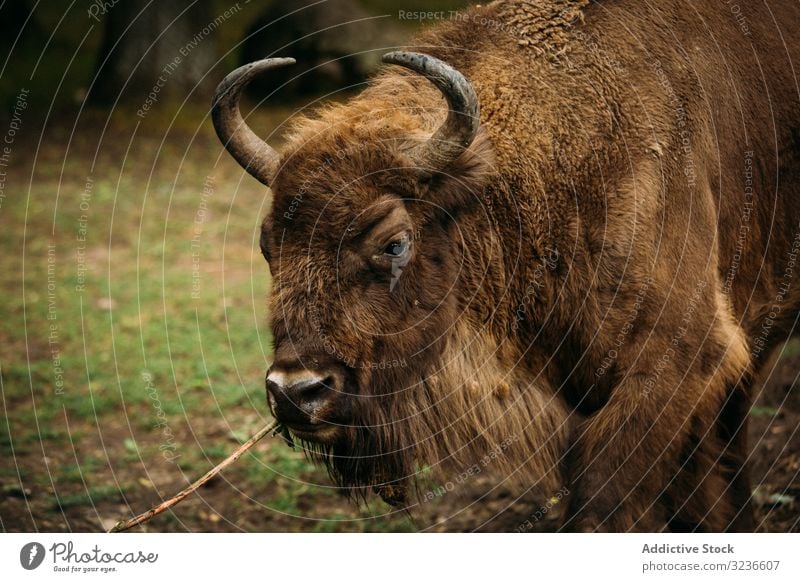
<point>369,266</point>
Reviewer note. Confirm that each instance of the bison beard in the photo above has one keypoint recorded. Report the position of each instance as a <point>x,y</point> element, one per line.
<point>496,418</point>
<point>520,130</point>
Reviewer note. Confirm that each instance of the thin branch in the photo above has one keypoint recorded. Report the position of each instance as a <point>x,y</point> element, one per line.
<point>123,525</point>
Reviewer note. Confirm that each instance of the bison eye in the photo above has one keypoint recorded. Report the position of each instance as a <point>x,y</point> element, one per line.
<point>397,248</point>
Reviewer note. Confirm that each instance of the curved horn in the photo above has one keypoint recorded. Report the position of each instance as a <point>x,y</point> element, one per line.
<point>252,152</point>
<point>459,129</point>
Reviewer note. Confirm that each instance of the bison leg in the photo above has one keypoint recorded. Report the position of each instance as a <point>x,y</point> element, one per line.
<point>711,491</point>
<point>733,430</point>
<point>696,499</point>
<point>619,465</point>
<point>629,454</point>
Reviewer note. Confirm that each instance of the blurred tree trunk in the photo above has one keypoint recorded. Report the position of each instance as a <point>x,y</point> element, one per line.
<point>150,46</point>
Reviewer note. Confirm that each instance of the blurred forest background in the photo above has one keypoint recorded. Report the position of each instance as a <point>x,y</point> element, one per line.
<point>132,338</point>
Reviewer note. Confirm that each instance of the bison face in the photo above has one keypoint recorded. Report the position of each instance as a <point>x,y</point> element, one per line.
<point>347,295</point>
<point>365,269</point>
<point>366,257</point>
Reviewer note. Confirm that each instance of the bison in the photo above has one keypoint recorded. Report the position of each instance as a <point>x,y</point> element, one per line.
<point>554,238</point>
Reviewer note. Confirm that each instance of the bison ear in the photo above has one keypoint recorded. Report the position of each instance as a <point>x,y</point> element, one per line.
<point>461,183</point>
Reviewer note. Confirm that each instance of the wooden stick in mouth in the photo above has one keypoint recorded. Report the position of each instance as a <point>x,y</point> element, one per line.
<point>273,427</point>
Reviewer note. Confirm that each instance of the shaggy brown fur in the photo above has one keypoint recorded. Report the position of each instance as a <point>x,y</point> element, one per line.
<point>592,283</point>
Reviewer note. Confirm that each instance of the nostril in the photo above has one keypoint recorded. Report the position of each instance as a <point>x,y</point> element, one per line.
<point>314,390</point>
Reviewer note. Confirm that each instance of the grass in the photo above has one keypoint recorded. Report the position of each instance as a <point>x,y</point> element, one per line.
<point>89,497</point>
